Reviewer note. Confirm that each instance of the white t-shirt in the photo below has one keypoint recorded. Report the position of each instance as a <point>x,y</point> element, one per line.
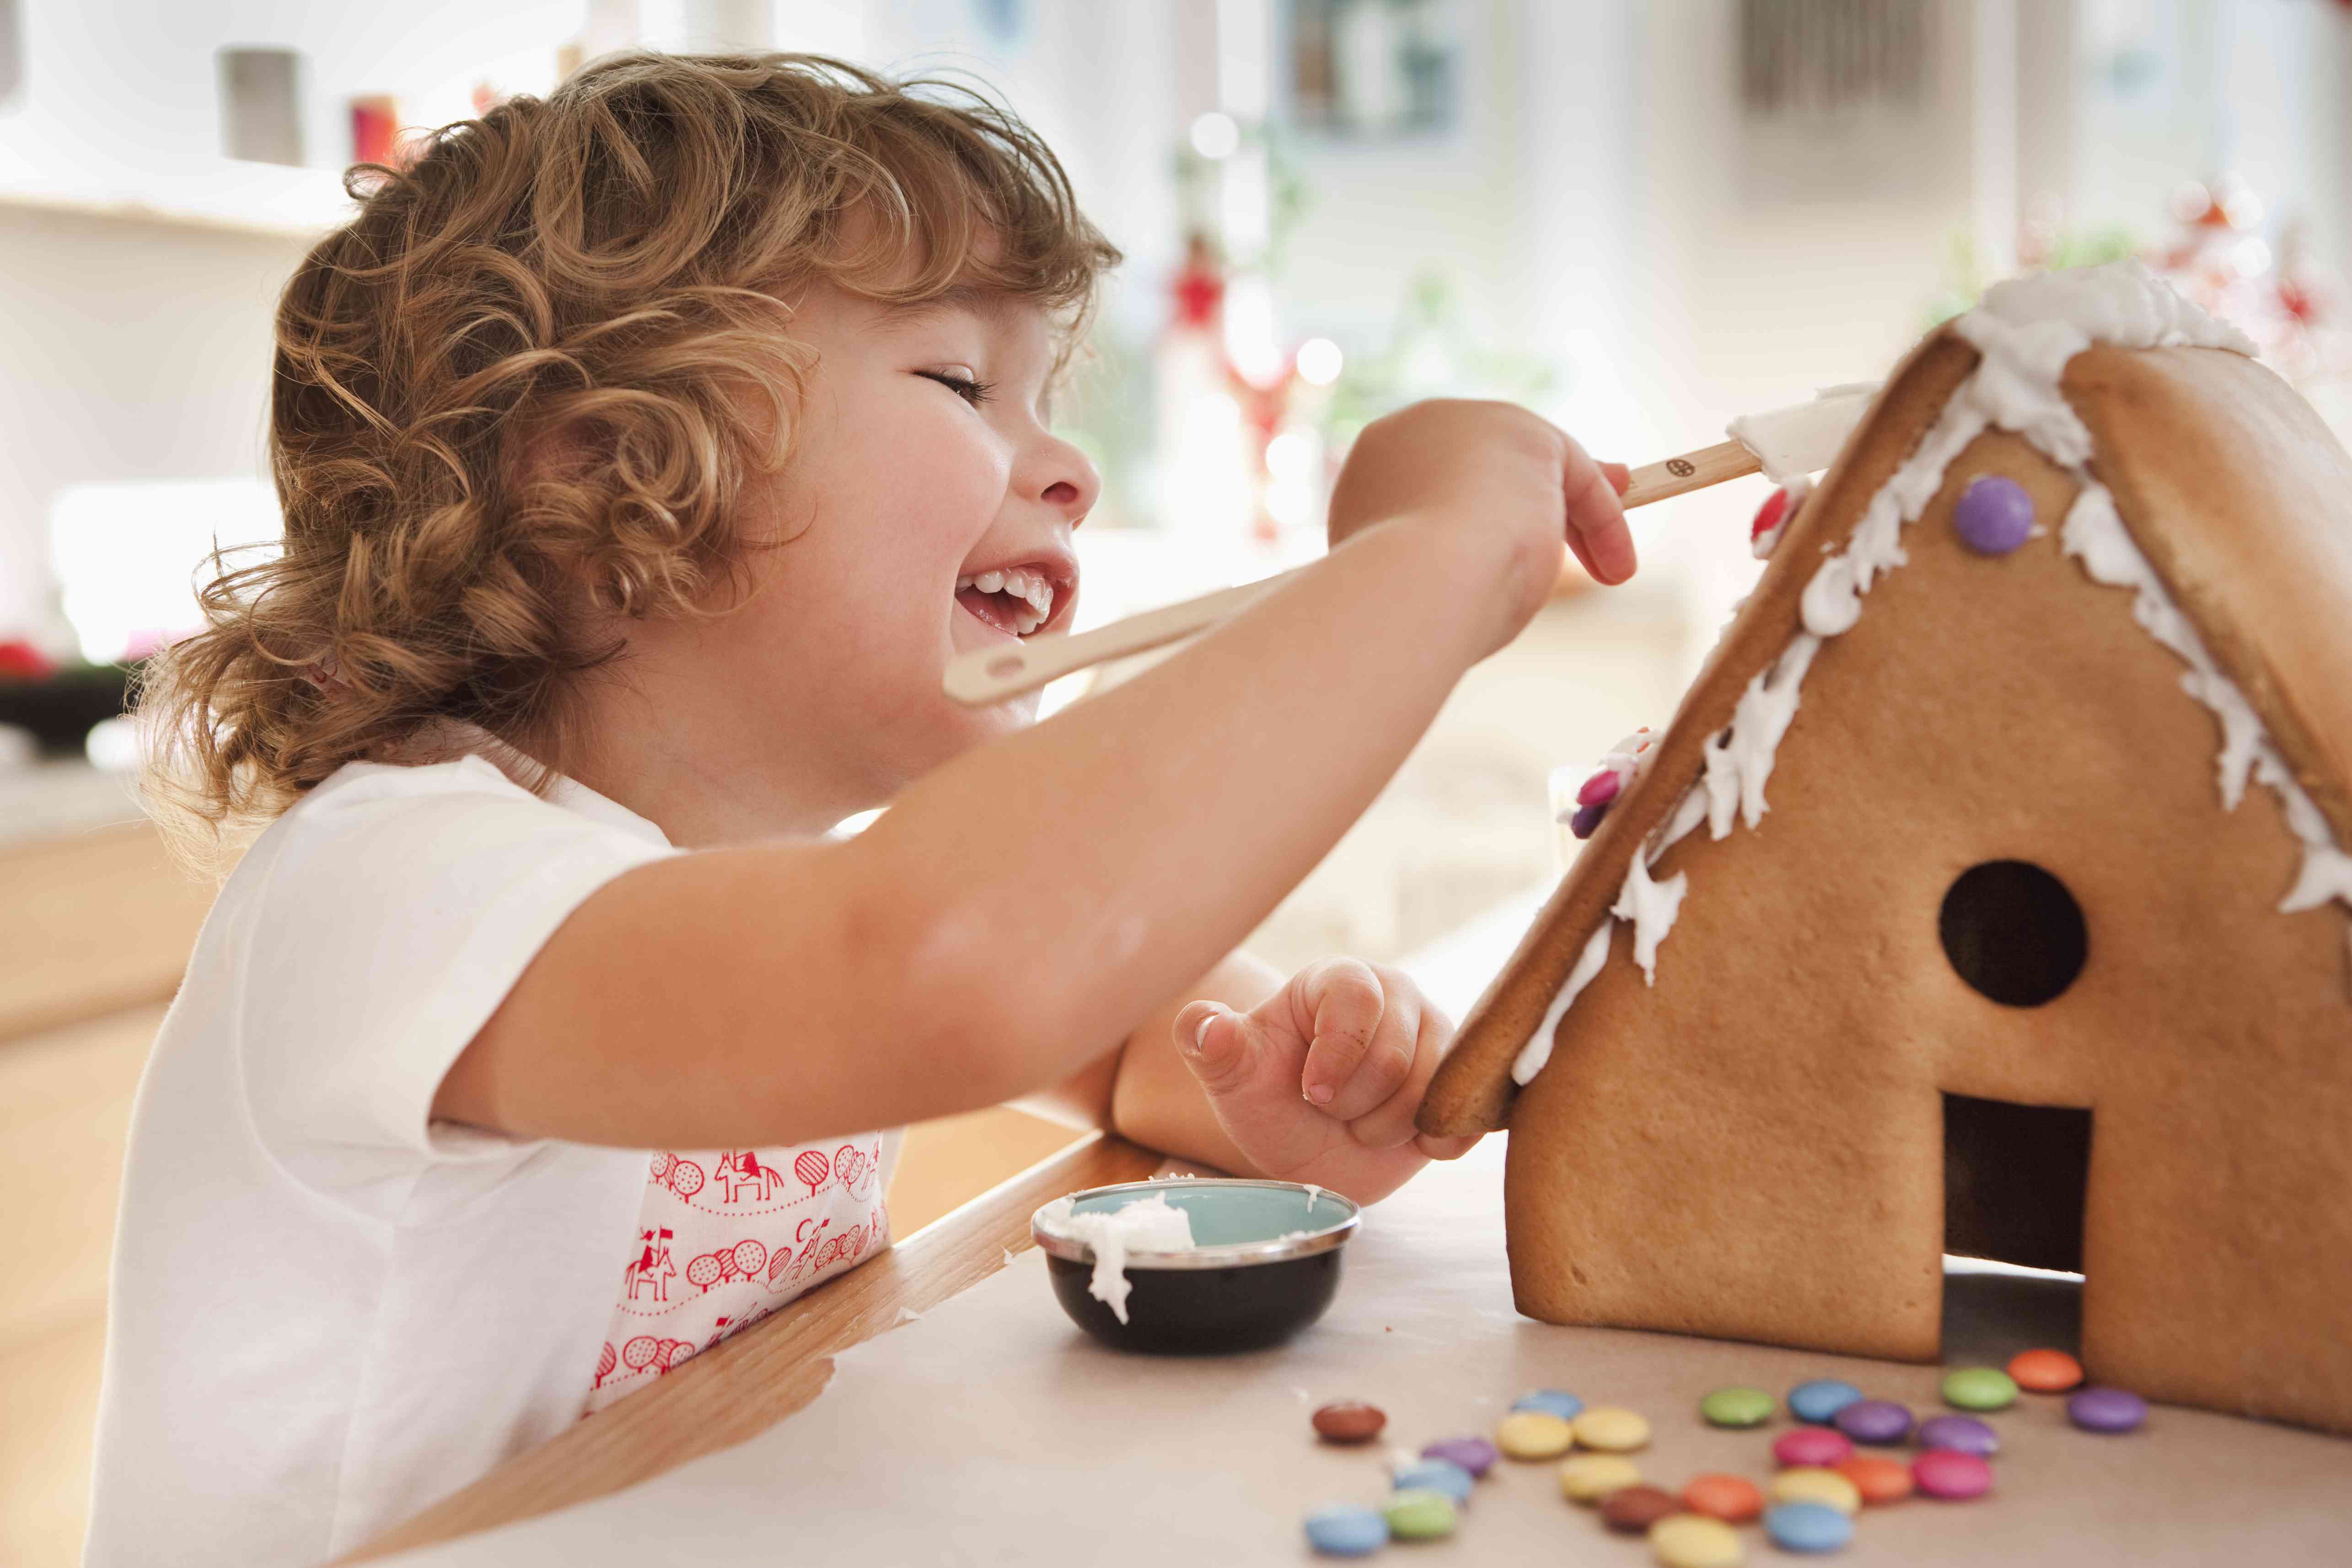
<point>328,1311</point>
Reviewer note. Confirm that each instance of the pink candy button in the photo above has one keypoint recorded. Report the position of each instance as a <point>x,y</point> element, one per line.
<point>1601,788</point>
<point>1948,1473</point>
<point>1812,1446</point>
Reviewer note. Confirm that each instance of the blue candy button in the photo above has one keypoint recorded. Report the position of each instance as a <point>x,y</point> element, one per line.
<point>1345,1530</point>
<point>1807,1527</point>
<point>1437,1475</point>
<point>1820,1400</point>
<point>1551,1402</point>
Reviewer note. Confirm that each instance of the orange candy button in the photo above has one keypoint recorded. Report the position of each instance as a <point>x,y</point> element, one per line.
<point>1735,1499</point>
<point>1877,1478</point>
<point>2045,1371</point>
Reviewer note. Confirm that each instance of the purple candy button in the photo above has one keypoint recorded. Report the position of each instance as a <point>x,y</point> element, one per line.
<point>1960,1434</point>
<point>1475,1455</point>
<point>2107,1410</point>
<point>1875,1421</point>
<point>1994,516</point>
<point>1586,819</point>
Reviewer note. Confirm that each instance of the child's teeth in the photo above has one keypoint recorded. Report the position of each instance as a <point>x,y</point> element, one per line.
<point>989,582</point>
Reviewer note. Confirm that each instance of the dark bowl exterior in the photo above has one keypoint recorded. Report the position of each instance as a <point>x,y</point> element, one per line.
<point>1204,1311</point>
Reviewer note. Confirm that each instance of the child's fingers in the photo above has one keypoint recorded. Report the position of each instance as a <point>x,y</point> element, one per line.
<point>1388,1064</point>
<point>1216,1043</point>
<point>1446,1147</point>
<point>1389,1123</point>
<point>1336,1005</point>
<point>1596,522</point>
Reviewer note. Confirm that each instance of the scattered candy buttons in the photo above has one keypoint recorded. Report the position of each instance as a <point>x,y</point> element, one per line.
<point>1812,1446</point>
<point>1475,1455</point>
<point>2045,1370</point>
<point>1820,1400</point>
<point>1611,1429</point>
<point>1994,515</point>
<point>1807,1527</point>
<point>1875,1421</point>
<point>1879,1479</point>
<point>1586,822</point>
<point>1948,1473</point>
<point>1735,1499</point>
<point>1588,1478</point>
<point>1961,1434</point>
<point>1534,1434</point>
<point>1694,1540</point>
<point>1419,1514</point>
<point>1346,1531</point>
<point>1809,1483</point>
<point>1979,1388</point>
<point>1631,1510</point>
<point>1440,1476</point>
<point>1349,1421</point>
<point>1736,1407</point>
<point>1551,1402</point>
<point>2107,1410</point>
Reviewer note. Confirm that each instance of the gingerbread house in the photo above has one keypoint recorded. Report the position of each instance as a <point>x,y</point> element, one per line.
<point>1986,893</point>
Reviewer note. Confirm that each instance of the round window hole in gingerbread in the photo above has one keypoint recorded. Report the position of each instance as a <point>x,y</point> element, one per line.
<point>2013,932</point>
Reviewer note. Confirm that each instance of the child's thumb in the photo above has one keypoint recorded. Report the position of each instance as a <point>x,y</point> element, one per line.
<point>1214,1042</point>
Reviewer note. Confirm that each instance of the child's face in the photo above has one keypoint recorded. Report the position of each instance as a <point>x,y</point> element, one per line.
<point>922,461</point>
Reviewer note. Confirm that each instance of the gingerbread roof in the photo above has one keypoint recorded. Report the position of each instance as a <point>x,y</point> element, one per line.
<point>2234,492</point>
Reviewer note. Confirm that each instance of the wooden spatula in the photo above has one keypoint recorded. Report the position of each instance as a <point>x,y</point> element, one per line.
<point>1796,440</point>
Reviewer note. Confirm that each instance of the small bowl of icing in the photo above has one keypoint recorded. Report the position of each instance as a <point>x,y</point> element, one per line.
<point>1195,1264</point>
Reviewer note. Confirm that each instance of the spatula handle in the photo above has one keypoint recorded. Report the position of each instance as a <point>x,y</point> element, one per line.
<point>992,675</point>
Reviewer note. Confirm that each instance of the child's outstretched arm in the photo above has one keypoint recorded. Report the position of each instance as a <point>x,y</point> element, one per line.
<point>1015,911</point>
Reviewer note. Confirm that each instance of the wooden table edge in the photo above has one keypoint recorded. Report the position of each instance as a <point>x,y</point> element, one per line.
<point>740,1388</point>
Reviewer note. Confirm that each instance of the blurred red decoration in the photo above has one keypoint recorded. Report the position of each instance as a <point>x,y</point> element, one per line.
<point>23,661</point>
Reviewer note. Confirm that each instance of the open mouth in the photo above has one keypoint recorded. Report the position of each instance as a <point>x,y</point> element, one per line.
<point>1017,600</point>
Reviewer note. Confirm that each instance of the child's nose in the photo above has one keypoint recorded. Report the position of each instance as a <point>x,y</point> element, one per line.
<point>1071,485</point>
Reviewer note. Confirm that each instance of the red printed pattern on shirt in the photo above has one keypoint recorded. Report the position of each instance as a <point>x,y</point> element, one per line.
<point>725,1237</point>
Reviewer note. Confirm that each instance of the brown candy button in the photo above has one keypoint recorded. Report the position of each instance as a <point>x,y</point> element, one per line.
<point>1632,1509</point>
<point>1349,1421</point>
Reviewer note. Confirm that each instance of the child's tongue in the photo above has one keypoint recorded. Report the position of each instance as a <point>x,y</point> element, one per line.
<point>996,609</point>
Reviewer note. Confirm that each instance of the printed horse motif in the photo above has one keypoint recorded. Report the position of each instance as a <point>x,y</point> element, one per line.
<point>740,1168</point>
<point>653,1265</point>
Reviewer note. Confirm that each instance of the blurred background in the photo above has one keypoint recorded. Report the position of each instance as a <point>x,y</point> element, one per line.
<point>1640,219</point>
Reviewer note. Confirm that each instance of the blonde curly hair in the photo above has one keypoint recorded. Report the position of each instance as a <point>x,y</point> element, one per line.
<point>530,379</point>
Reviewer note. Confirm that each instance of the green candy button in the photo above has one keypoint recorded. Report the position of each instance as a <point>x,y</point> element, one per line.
<point>1979,1388</point>
<point>1418,1514</point>
<point>1737,1408</point>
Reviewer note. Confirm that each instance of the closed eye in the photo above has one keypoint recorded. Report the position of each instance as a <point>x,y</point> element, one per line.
<point>972,392</point>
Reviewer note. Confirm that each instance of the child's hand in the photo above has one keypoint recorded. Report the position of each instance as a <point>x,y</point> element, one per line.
<point>1493,460</point>
<point>1320,1082</point>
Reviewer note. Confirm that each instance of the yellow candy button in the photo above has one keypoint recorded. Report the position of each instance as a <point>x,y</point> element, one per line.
<point>1694,1540</point>
<point>1534,1434</point>
<point>1611,1429</point>
<point>1811,1483</point>
<point>1588,1478</point>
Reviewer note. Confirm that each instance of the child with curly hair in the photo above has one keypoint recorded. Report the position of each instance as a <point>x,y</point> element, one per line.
<point>645,454</point>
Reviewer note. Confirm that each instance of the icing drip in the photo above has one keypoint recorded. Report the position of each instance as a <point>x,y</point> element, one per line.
<point>2094,535</point>
<point>1651,906</point>
<point>2024,331</point>
<point>1147,1224</point>
<point>1537,1050</point>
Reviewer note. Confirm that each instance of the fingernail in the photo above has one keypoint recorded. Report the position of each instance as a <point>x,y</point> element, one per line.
<point>1200,1035</point>
<point>1319,1093</point>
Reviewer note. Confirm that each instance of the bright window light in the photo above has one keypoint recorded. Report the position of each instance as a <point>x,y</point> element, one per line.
<point>1216,136</point>
<point>1319,362</point>
<point>128,555</point>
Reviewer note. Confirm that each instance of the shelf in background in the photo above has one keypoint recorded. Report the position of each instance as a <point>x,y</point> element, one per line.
<point>206,193</point>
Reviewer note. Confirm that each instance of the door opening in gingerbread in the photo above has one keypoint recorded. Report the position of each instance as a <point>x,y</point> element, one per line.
<point>2014,1183</point>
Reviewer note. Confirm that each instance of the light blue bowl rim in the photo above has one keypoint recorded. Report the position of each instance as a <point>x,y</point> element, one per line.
<point>1275,1249</point>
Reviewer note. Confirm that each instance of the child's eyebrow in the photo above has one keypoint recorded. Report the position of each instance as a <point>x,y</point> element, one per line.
<point>973,298</point>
